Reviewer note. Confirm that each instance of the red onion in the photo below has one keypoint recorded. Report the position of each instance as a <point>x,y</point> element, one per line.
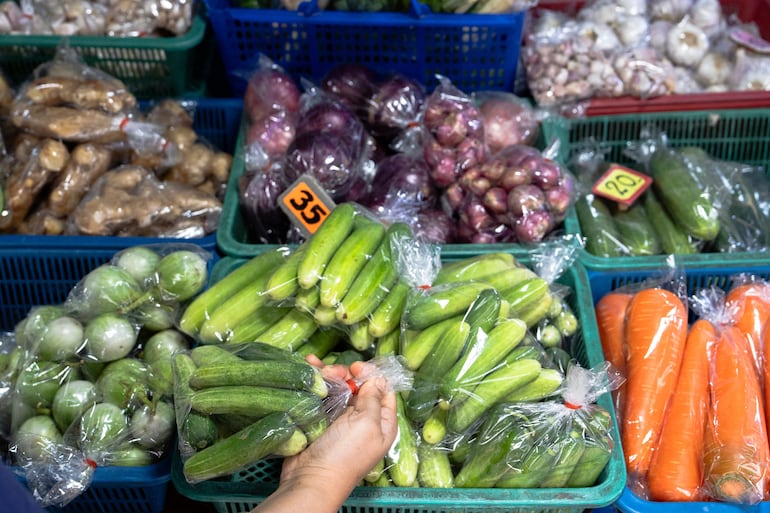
<point>507,120</point>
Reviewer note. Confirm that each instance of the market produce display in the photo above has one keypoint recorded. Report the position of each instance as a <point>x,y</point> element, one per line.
<point>83,160</point>
<point>90,381</point>
<point>128,18</point>
<point>455,167</point>
<point>640,49</point>
<point>696,203</point>
<point>692,411</point>
<point>483,335</point>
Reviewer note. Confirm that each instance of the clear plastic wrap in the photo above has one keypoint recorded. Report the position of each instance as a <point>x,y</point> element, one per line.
<point>130,200</point>
<point>94,384</point>
<point>654,327</point>
<point>507,119</point>
<point>735,443</point>
<point>9,361</point>
<point>237,404</point>
<point>271,105</point>
<point>518,194</point>
<point>454,140</point>
<point>551,444</point>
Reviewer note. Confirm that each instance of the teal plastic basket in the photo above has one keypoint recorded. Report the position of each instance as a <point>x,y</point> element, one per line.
<point>699,275</point>
<point>151,67</point>
<point>248,488</point>
<point>731,135</point>
<point>233,238</point>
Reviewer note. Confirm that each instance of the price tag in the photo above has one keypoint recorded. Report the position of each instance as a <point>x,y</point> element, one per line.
<point>307,204</point>
<point>621,184</point>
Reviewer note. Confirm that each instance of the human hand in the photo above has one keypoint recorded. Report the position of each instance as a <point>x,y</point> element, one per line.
<point>354,443</point>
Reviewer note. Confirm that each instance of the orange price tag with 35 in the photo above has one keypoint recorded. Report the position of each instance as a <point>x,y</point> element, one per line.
<point>621,184</point>
<point>307,204</point>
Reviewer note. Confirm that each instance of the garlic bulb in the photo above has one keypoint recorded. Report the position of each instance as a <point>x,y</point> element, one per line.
<point>602,36</point>
<point>707,14</point>
<point>686,44</point>
<point>713,69</point>
<point>669,10</point>
<point>547,21</point>
<point>633,7</point>
<point>754,80</point>
<point>632,30</point>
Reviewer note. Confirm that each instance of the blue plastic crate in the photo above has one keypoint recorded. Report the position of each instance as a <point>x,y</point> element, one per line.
<point>217,120</point>
<point>476,51</point>
<point>698,276</point>
<point>122,490</point>
<point>44,276</point>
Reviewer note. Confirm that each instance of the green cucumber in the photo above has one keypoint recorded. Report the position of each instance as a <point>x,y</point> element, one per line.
<point>598,227</point>
<point>402,459</point>
<point>212,355</point>
<point>269,373</point>
<point>442,302</point>
<point>324,243</point>
<point>239,450</point>
<point>348,261</point>
<point>374,281</point>
<point>321,343</point>
<point>291,330</point>
<point>435,469</point>
<point>387,316</point>
<point>482,357</point>
<point>636,232</point>
<point>388,344</point>
<point>682,195</point>
<point>474,268</point>
<point>673,240</point>
<point>497,385</point>
<point>282,283</point>
<point>212,298</point>
<point>417,344</point>
<point>544,385</point>
<point>359,336</point>
<point>250,329</point>
<point>255,401</point>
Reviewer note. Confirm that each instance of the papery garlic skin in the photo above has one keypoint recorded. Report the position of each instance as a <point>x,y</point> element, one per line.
<point>686,44</point>
<point>713,69</point>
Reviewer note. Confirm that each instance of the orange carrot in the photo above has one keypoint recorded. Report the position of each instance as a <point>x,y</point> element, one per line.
<point>655,333</point>
<point>736,451</point>
<point>611,319</point>
<point>753,312</point>
<point>676,469</point>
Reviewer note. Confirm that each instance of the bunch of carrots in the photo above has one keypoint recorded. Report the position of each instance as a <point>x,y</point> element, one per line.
<point>692,410</point>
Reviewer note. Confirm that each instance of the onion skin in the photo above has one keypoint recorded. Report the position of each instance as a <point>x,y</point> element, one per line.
<point>269,90</point>
<point>533,226</point>
<point>524,199</point>
<point>272,133</point>
<point>395,104</point>
<point>353,84</point>
<point>507,120</point>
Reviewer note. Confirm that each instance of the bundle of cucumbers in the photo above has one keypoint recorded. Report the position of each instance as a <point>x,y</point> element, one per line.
<point>239,403</point>
<point>482,331</point>
<point>694,205</point>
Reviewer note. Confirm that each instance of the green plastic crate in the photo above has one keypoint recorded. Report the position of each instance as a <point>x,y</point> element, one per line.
<point>151,67</point>
<point>732,135</point>
<point>233,239</point>
<point>246,489</point>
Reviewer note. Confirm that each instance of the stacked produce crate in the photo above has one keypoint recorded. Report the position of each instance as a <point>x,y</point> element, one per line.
<point>403,113</point>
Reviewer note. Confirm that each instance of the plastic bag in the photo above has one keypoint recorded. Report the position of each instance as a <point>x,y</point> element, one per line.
<point>571,63</point>
<point>9,361</point>
<point>271,105</point>
<point>548,444</point>
<point>654,330</point>
<point>735,441</point>
<point>518,194</point>
<point>131,201</point>
<point>552,320</point>
<point>278,408</point>
<point>454,139</point>
<point>749,212</point>
<point>507,119</point>
<point>389,367</point>
<point>94,382</point>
